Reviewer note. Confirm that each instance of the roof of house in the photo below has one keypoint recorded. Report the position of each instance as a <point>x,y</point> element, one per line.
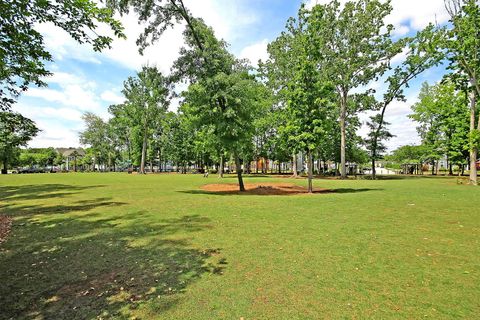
<point>67,152</point>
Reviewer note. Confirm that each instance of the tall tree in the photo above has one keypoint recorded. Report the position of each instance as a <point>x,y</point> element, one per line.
<point>422,52</point>
<point>356,48</point>
<point>463,47</point>
<point>15,131</point>
<point>307,92</point>
<point>442,114</point>
<point>147,98</point>
<point>22,48</point>
<point>95,135</point>
<point>374,142</point>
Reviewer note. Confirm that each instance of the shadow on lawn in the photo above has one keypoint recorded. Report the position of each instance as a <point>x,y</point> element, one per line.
<point>97,265</point>
<point>40,191</point>
<point>266,192</point>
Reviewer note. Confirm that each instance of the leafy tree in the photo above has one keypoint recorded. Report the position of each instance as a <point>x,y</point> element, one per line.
<point>146,96</point>
<point>409,154</point>
<point>95,135</point>
<point>463,47</point>
<point>355,47</point>
<point>15,131</point>
<point>422,53</point>
<point>442,114</point>
<point>22,49</point>
<point>374,141</point>
<point>232,119</point>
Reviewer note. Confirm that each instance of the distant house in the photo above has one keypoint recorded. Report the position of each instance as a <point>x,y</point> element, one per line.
<point>71,156</point>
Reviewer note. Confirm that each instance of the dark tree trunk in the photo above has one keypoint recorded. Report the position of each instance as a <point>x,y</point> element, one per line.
<point>144,152</point>
<point>374,171</point>
<point>294,166</point>
<point>433,168</point>
<point>220,168</point>
<point>239,173</point>
<point>343,136</point>
<point>310,172</point>
<point>5,165</point>
<point>474,150</point>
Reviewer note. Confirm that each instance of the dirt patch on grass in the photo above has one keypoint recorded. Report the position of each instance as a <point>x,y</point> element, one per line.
<point>5,227</point>
<point>263,189</point>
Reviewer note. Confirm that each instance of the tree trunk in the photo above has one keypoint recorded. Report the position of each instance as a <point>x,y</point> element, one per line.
<point>239,173</point>
<point>144,152</point>
<point>159,161</point>
<point>294,166</point>
<point>473,150</point>
<point>5,165</point>
<point>433,167</point>
<point>374,170</point>
<point>310,172</point>
<point>220,168</point>
<point>343,136</point>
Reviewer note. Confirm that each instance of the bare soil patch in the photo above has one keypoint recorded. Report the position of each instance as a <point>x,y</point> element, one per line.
<point>263,189</point>
<point>5,227</point>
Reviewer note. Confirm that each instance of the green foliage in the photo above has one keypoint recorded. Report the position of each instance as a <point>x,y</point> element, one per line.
<point>15,131</point>
<point>463,42</point>
<point>378,132</point>
<point>41,157</point>
<point>409,154</point>
<point>443,117</point>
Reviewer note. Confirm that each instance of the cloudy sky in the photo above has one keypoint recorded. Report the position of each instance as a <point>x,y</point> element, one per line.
<point>84,80</point>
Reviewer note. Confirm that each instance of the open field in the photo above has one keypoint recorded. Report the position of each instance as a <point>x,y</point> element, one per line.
<point>119,246</point>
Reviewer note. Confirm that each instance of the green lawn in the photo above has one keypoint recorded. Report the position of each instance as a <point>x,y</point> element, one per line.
<point>120,246</point>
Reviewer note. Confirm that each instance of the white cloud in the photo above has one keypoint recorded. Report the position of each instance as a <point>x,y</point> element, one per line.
<point>111,96</point>
<point>59,43</point>
<point>255,52</point>
<point>75,96</point>
<point>228,19</point>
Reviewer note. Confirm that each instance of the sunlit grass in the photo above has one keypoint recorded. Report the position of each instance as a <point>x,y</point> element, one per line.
<point>156,246</point>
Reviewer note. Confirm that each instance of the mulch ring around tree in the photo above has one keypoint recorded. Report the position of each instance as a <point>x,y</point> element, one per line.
<point>5,227</point>
<point>263,189</point>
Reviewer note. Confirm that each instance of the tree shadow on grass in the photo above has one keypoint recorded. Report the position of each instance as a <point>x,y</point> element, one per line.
<point>40,191</point>
<point>98,265</point>
<point>274,192</point>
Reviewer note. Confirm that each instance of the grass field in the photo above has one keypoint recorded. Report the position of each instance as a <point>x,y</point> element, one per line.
<point>123,246</point>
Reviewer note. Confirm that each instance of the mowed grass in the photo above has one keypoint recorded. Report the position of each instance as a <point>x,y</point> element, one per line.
<point>86,246</point>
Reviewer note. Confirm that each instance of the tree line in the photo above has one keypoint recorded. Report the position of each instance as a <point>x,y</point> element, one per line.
<point>305,98</point>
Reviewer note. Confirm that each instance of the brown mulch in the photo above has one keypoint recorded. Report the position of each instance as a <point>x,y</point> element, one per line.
<point>264,189</point>
<point>5,227</point>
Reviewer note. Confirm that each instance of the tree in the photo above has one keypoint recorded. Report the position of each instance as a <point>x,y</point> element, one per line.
<point>442,115</point>
<point>463,47</point>
<point>409,154</point>
<point>15,131</point>
<point>422,53</point>
<point>146,96</point>
<point>231,120</point>
<point>304,88</point>
<point>374,141</point>
<point>22,49</point>
<point>355,47</point>
<point>95,135</point>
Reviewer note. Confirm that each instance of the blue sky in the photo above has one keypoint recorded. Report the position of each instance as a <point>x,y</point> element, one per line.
<point>84,80</point>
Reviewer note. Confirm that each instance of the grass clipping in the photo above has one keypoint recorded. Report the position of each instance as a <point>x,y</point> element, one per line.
<point>263,189</point>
